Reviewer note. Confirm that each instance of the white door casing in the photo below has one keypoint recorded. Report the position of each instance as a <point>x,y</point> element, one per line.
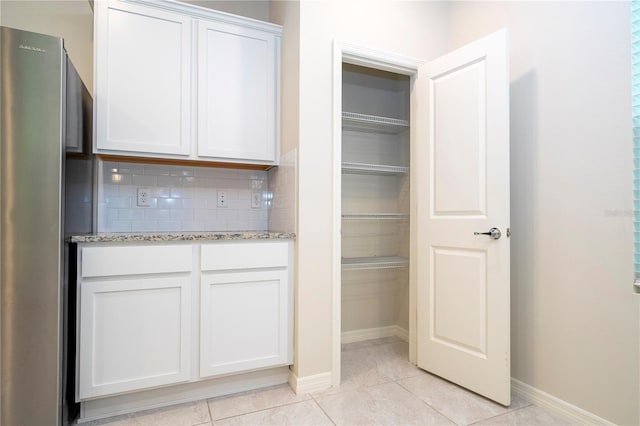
<point>463,290</point>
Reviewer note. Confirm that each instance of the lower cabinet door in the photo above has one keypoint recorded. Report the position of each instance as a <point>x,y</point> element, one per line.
<point>244,321</point>
<point>134,334</point>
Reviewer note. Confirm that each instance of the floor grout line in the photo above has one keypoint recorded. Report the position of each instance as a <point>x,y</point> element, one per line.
<point>426,403</point>
<point>323,410</point>
<point>209,411</point>
<point>263,409</point>
<point>500,415</point>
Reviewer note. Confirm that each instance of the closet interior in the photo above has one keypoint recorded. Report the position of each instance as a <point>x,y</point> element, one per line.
<point>375,204</point>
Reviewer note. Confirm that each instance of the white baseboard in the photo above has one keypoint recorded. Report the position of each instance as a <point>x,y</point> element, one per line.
<point>315,383</point>
<point>556,406</point>
<point>375,333</point>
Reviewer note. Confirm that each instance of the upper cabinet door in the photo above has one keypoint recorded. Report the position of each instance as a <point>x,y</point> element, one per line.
<point>143,79</point>
<point>237,87</point>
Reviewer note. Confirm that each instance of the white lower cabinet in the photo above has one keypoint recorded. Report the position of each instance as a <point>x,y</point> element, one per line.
<point>145,312</point>
<point>246,306</point>
<point>244,324</point>
<point>134,334</point>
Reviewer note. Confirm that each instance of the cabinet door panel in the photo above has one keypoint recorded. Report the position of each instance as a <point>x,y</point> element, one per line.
<point>142,79</point>
<point>134,334</point>
<point>244,321</point>
<point>237,93</point>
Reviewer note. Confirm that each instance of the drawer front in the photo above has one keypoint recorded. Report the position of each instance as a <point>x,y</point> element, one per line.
<point>224,256</point>
<point>135,260</point>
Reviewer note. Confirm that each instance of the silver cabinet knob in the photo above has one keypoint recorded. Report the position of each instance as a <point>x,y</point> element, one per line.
<point>494,233</point>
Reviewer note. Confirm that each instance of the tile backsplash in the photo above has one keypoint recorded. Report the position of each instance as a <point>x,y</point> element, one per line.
<point>182,199</point>
<point>282,194</point>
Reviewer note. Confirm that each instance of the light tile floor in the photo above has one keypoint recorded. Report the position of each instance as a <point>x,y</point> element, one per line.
<point>379,387</point>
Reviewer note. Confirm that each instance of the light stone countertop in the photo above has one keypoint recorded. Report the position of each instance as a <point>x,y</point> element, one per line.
<point>182,236</point>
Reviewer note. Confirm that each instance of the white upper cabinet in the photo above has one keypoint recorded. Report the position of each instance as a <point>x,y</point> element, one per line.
<point>236,92</point>
<point>143,82</point>
<point>185,82</point>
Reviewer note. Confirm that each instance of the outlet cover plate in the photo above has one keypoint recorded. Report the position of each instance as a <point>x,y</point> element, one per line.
<point>144,197</point>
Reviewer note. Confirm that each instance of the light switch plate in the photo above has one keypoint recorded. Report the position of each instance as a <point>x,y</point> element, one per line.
<point>256,200</point>
<point>222,198</point>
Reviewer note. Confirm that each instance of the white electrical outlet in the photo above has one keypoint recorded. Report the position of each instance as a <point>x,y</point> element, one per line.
<point>144,197</point>
<point>256,200</point>
<point>222,198</point>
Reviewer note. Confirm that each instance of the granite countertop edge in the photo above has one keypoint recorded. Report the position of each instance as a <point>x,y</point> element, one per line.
<point>185,236</point>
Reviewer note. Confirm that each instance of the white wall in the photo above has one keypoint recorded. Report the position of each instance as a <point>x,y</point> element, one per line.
<point>71,20</point>
<point>575,319</point>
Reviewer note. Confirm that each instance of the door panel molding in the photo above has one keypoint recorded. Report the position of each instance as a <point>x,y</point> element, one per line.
<point>469,335</point>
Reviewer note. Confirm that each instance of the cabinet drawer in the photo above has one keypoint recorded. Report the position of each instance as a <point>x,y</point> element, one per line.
<point>135,260</point>
<point>222,256</point>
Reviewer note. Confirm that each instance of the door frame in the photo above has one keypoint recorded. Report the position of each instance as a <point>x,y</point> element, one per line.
<point>344,52</point>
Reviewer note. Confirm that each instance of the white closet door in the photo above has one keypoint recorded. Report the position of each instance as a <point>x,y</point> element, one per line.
<point>236,93</point>
<point>463,328</point>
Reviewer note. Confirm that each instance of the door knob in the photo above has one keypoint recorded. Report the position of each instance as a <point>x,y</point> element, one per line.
<point>494,233</point>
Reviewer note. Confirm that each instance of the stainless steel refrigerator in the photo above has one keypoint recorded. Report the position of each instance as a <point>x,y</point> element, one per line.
<point>45,128</point>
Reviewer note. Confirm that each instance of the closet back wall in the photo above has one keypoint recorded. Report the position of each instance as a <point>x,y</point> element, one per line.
<point>375,302</point>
